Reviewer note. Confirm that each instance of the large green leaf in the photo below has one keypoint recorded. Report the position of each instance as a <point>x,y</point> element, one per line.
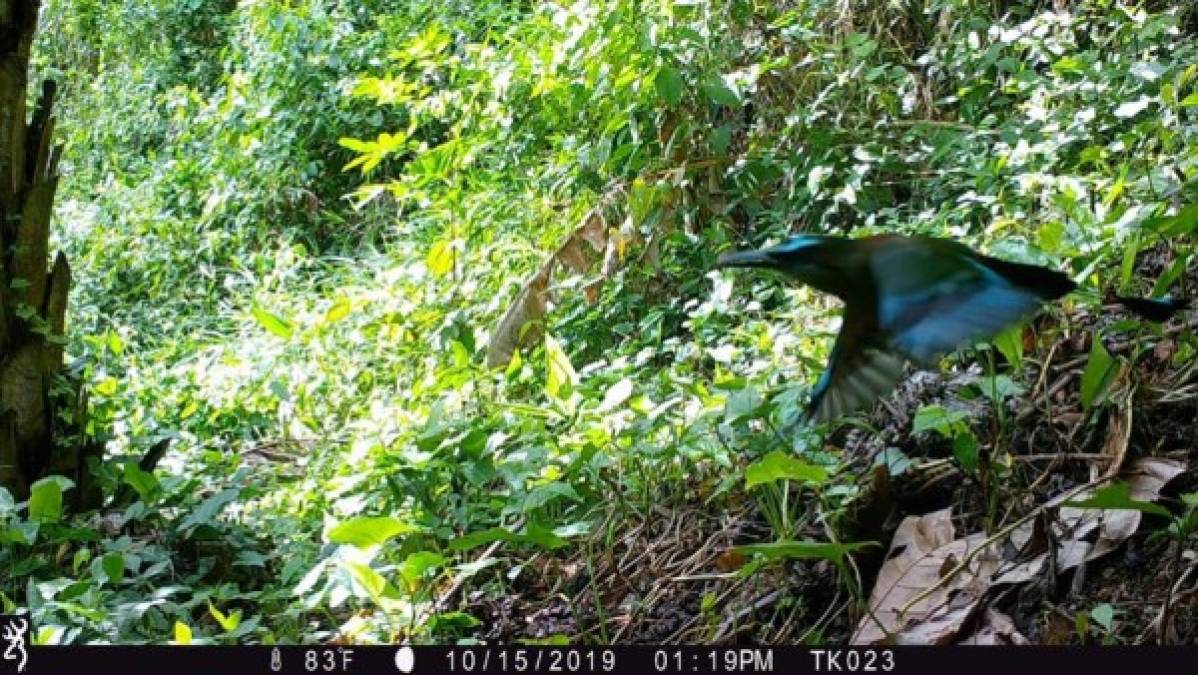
<point>440,258</point>
<point>369,531</point>
<point>778,465</point>
<point>45,499</point>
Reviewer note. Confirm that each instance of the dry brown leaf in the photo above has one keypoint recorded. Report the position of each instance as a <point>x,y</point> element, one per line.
<point>593,230</point>
<point>532,300</point>
<point>730,560</point>
<point>922,553</point>
<point>592,290</point>
<point>1022,571</point>
<point>529,306</point>
<point>1057,630</point>
<point>1087,534</point>
<point>1118,437</point>
<point>995,629</point>
<point>571,255</point>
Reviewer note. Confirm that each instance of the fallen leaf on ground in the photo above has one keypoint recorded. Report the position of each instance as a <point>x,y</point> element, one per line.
<point>995,629</point>
<point>924,550</point>
<point>1087,534</point>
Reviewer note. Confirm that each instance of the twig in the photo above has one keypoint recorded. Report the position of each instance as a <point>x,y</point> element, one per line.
<point>1054,456</point>
<point>764,601</point>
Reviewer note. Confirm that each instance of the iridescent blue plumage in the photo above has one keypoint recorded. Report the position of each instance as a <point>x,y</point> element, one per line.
<point>908,299</point>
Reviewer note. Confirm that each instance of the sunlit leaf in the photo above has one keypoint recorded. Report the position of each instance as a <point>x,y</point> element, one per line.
<point>228,622</point>
<point>560,378</point>
<point>272,322</point>
<point>440,259</point>
<point>369,531</point>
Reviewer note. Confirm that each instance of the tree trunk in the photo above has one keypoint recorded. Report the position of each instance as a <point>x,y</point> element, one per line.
<point>39,407</point>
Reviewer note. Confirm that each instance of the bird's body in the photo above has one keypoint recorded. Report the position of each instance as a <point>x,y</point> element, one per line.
<point>906,299</point>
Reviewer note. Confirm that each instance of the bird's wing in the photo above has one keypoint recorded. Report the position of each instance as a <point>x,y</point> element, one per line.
<point>935,299</point>
<point>858,372</point>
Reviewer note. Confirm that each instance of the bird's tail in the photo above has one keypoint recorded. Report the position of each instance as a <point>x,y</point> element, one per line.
<point>1153,309</point>
<point>1048,284</point>
<point>1051,284</point>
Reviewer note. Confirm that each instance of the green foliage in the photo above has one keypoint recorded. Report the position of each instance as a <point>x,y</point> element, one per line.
<point>1100,372</point>
<point>804,550</point>
<point>778,465</point>
<point>1118,496</point>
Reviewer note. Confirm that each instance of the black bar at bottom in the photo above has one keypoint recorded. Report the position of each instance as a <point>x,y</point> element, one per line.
<point>466,660</point>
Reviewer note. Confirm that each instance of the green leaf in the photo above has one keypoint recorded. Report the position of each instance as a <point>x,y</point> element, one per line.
<point>669,85</point>
<point>616,395</point>
<point>1103,615</point>
<point>999,388</point>
<point>366,578</point>
<point>1009,343</point>
<point>719,138</point>
<point>804,550</point>
<point>366,532</point>
<point>549,492</point>
<point>228,623</point>
<point>339,310</point>
<point>144,482</point>
<point>965,449</point>
<point>718,92</point>
<point>113,565</point>
<point>272,322</point>
<point>452,621</point>
<point>1117,496</point>
<point>45,499</point>
<point>1189,101</point>
<point>107,387</point>
<point>937,418</point>
<point>535,535</point>
<point>896,461</point>
<point>418,566</point>
<point>778,465</point>
<point>1069,64</point>
<point>560,378</point>
<point>1099,373</point>
<point>1185,222</point>
<point>8,504</point>
<point>440,259</point>
<point>208,510</point>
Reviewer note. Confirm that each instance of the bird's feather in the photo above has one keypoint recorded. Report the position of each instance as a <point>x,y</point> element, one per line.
<point>934,299</point>
<point>858,372</point>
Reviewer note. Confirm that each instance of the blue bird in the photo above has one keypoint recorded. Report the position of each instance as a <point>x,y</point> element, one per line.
<point>909,299</point>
